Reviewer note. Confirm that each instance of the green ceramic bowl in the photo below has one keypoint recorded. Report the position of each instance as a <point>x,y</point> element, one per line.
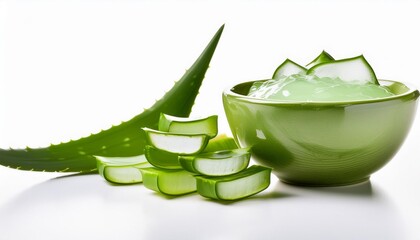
<point>321,143</point>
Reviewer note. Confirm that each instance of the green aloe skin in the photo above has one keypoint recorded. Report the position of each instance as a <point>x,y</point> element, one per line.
<point>122,140</point>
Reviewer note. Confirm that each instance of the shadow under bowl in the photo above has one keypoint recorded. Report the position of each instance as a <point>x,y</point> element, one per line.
<point>321,143</point>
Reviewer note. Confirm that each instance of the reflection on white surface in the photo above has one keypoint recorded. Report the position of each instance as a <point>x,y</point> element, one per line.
<point>85,206</point>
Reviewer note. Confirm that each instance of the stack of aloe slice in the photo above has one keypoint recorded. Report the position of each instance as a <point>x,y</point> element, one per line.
<point>185,155</point>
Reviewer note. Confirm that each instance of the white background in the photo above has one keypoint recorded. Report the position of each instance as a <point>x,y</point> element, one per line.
<point>70,68</point>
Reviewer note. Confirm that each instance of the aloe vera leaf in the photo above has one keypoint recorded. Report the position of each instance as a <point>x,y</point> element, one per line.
<point>161,159</point>
<point>221,142</point>
<point>169,182</point>
<point>121,140</point>
<point>182,144</point>
<point>323,57</point>
<point>234,187</point>
<point>220,163</point>
<point>208,125</point>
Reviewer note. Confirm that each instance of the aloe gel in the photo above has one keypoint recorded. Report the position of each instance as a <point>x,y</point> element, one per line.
<point>326,80</point>
<point>312,88</point>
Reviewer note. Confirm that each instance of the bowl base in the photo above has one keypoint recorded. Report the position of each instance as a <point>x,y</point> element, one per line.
<point>308,184</point>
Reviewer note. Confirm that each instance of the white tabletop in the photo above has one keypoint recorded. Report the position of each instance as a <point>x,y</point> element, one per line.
<point>69,68</point>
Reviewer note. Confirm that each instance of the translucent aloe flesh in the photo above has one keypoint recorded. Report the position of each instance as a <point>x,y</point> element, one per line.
<point>183,144</point>
<point>169,182</point>
<point>233,187</point>
<point>125,139</point>
<point>355,70</point>
<point>124,175</point>
<point>287,68</point>
<point>218,163</point>
<point>174,124</point>
<point>122,170</point>
<point>161,159</point>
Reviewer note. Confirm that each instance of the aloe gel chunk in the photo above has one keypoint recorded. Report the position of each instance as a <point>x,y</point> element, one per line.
<point>218,163</point>
<point>233,187</point>
<point>208,125</point>
<point>183,144</point>
<point>169,182</point>
<point>122,170</point>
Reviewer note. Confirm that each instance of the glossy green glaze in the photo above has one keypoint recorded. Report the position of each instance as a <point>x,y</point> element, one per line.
<point>122,140</point>
<point>321,143</point>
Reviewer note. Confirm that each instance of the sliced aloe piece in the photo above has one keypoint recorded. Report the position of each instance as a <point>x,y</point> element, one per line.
<point>182,144</point>
<point>287,68</point>
<point>323,57</point>
<point>101,161</point>
<point>219,163</point>
<point>233,187</point>
<point>352,70</point>
<point>219,143</point>
<point>170,182</point>
<point>122,170</point>
<point>161,159</point>
<point>208,125</point>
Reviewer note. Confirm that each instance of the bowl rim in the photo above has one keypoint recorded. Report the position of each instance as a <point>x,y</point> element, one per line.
<point>412,93</point>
